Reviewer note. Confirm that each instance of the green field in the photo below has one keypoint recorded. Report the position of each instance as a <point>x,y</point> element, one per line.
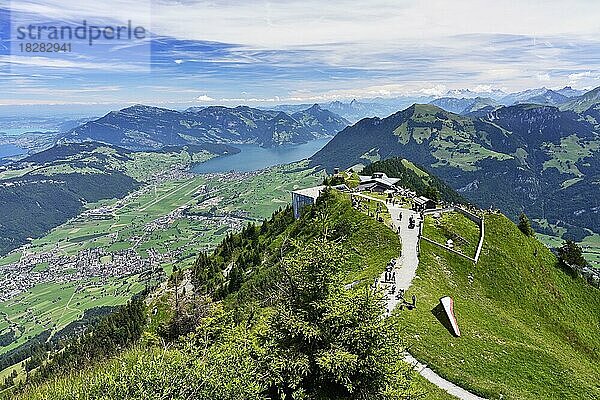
<point>564,157</point>
<point>456,227</point>
<point>591,249</point>
<point>529,329</point>
<point>590,246</point>
<point>51,307</point>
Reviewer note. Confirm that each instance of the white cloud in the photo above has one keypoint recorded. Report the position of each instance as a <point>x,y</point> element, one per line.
<point>483,89</point>
<point>437,90</point>
<point>309,22</point>
<point>62,63</point>
<point>343,49</point>
<point>204,97</point>
<point>284,24</point>
<point>578,76</point>
<point>543,77</point>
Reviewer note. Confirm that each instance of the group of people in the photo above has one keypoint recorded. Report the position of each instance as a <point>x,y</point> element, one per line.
<point>393,201</point>
<point>390,274</point>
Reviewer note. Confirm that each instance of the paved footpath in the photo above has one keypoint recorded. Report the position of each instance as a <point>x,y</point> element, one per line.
<point>406,265</point>
<point>405,270</point>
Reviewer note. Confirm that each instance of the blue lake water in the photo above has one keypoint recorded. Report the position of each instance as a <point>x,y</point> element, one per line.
<point>253,157</point>
<point>20,131</point>
<point>9,150</point>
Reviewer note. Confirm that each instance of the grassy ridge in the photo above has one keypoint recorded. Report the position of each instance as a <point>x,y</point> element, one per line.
<point>529,329</point>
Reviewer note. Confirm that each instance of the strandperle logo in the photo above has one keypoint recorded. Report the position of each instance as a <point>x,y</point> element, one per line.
<point>93,42</point>
<point>84,31</point>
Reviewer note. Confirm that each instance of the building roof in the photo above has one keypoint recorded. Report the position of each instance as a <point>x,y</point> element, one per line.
<point>371,185</point>
<point>312,192</point>
<point>341,187</point>
<point>378,177</point>
<point>421,200</point>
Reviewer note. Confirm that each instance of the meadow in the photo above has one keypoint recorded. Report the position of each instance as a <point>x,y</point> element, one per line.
<point>454,226</point>
<point>530,330</point>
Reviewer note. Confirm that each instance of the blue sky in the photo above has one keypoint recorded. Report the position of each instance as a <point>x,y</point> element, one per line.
<point>264,52</point>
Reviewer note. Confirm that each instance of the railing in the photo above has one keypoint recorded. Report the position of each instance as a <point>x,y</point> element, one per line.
<point>449,249</point>
<point>473,217</point>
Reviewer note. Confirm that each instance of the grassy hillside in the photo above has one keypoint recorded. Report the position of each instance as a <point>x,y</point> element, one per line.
<point>529,329</point>
<point>240,347</point>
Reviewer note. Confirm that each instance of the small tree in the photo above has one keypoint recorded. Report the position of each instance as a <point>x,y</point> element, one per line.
<point>236,279</point>
<point>525,225</point>
<point>325,342</point>
<point>571,254</point>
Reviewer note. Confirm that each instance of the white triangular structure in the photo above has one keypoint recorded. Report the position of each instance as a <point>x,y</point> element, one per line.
<point>448,305</point>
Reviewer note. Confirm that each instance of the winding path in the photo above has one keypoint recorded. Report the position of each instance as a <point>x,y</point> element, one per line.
<point>405,270</point>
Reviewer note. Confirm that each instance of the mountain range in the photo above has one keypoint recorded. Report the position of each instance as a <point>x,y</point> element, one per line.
<point>534,158</point>
<point>466,102</point>
<point>460,101</point>
<point>145,127</point>
<point>356,110</point>
<point>465,105</point>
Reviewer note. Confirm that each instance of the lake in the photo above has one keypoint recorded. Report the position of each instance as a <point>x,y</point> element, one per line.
<point>20,131</point>
<point>252,157</point>
<point>9,150</point>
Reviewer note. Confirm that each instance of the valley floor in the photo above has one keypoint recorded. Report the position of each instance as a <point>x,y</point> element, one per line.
<point>118,247</point>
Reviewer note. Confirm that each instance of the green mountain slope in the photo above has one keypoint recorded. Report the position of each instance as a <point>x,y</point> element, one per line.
<point>529,329</point>
<point>583,102</point>
<point>529,158</point>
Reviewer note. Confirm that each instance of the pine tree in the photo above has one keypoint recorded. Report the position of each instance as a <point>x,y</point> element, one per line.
<point>571,254</point>
<point>525,225</point>
<point>325,342</point>
<point>236,278</point>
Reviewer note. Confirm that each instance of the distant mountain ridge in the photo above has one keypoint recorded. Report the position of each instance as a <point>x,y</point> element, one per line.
<point>535,158</point>
<point>570,92</point>
<point>145,127</point>
<point>356,110</point>
<point>549,97</point>
<point>464,105</point>
<point>586,101</point>
<point>460,101</point>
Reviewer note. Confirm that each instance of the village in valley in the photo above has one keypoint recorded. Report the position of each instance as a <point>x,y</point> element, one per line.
<point>122,252</point>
